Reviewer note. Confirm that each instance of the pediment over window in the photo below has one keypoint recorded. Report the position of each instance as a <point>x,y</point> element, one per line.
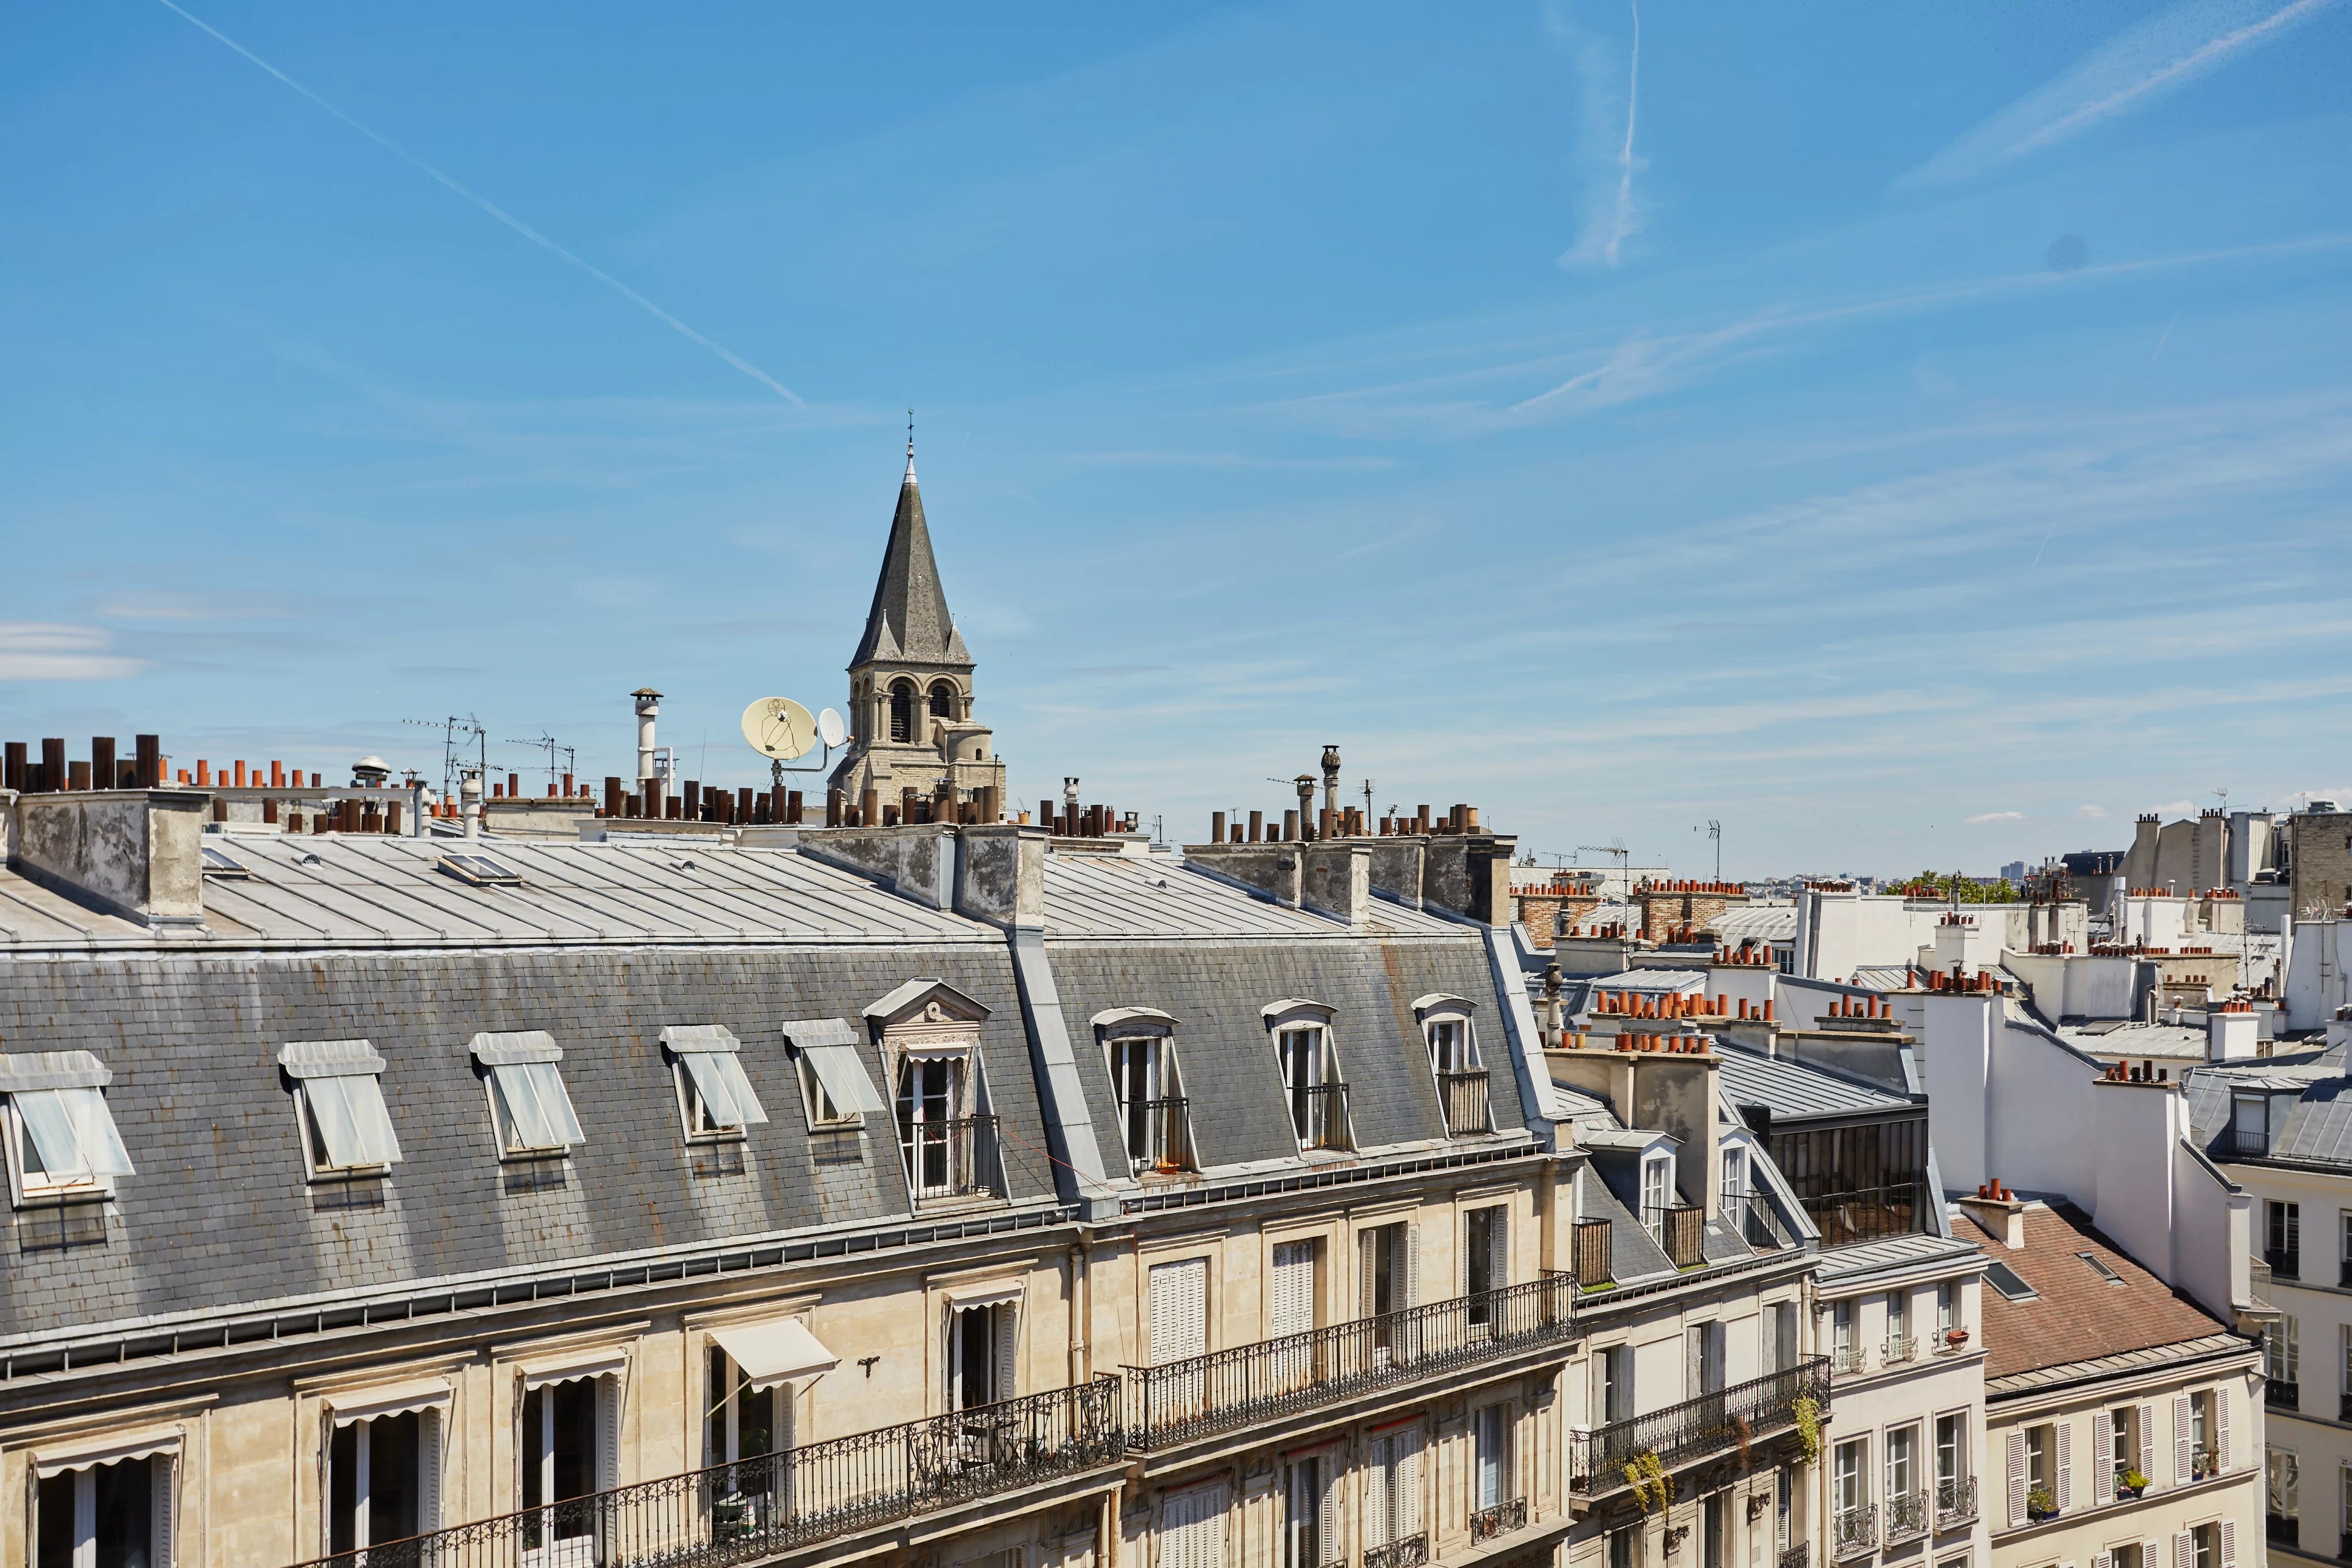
<point>920,1003</point>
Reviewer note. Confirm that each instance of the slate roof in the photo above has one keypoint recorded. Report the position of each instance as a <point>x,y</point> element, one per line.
<point>370,890</point>
<point>909,621</point>
<point>2318,1127</point>
<point>2076,1315</point>
<point>1794,1091</point>
<point>220,1213</point>
<point>1226,1057</point>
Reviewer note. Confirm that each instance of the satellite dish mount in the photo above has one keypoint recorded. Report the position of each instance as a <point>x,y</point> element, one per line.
<point>782,731</point>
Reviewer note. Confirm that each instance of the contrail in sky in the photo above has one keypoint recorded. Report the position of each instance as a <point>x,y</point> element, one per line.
<point>1625,159</point>
<point>508,218</point>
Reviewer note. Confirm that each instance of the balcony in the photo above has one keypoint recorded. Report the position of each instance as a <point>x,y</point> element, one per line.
<point>1800,1555</point>
<point>2285,1262</point>
<point>1758,1226</point>
<point>1406,1551</point>
<point>1676,1227</point>
<point>1184,1401</point>
<point>1956,1502</point>
<point>1463,1095</point>
<point>1695,1429</point>
<point>2283,1529</point>
<point>950,1159</point>
<point>1855,1532</point>
<point>1898,1351</point>
<point>757,1508</point>
<point>2283,1395</point>
<point>1320,1114</point>
<point>1850,1360</point>
<point>1160,1134</point>
<point>1589,1255</point>
<point>1907,1517</point>
<point>1499,1519</point>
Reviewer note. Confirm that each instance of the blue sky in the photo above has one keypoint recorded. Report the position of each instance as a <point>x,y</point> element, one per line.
<point>1905,434</point>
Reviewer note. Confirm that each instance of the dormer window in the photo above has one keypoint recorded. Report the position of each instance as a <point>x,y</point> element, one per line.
<point>1311,1083</point>
<point>1153,1112</point>
<point>1462,1086</point>
<point>834,1090</point>
<point>930,1039</point>
<point>62,1143</point>
<point>339,1105</point>
<point>1657,1193</point>
<point>530,1107</point>
<point>715,1100</point>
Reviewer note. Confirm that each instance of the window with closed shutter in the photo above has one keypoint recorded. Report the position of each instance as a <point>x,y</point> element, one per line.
<point>1179,1311</point>
<point>1294,1289</point>
<point>1193,1528</point>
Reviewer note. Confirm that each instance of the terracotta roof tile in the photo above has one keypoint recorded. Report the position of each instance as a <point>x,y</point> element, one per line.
<point>2076,1314</point>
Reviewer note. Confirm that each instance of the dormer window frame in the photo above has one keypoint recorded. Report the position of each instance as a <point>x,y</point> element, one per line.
<point>529,1061</point>
<point>70,1086</point>
<point>348,1074</point>
<point>832,1071</point>
<point>1449,1031</point>
<point>712,1051</point>
<point>928,1034</point>
<point>1139,1047</point>
<point>1306,1061</point>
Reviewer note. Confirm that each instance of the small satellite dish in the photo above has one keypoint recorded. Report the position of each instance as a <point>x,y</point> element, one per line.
<point>830,729</point>
<point>779,727</point>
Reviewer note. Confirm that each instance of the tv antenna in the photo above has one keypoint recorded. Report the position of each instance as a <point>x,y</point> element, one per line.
<point>548,744</point>
<point>1715,831</point>
<point>454,733</point>
<point>1616,848</point>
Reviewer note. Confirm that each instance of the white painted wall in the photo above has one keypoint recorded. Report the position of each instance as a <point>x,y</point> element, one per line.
<point>2078,985</point>
<point>2318,968</point>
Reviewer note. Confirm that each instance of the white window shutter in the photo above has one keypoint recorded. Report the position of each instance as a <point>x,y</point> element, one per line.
<point>162,1474</point>
<point>608,1433</point>
<point>2220,1430</point>
<point>2151,1552</point>
<point>2229,1543</point>
<point>2065,1434</point>
<point>428,1472</point>
<point>2181,1456</point>
<point>1412,1292</point>
<point>2017,1478</point>
<point>1499,1238</point>
<point>1368,1264</point>
<point>2103,1560</point>
<point>2147,1446</point>
<point>1379,1476</point>
<point>1407,1503</point>
<point>1006,1383</point>
<point>1327,1508</point>
<point>2184,1550</point>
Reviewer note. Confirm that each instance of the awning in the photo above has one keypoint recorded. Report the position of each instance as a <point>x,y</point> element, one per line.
<point>994,1294</point>
<point>776,1350</point>
<point>839,1068</point>
<point>512,1047</point>
<point>329,1059</point>
<point>683,1038</point>
<point>389,1399</point>
<point>612,1361</point>
<point>114,1448</point>
<point>23,1071</point>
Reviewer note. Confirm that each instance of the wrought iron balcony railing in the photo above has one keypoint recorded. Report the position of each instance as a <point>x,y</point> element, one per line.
<point>1800,1555</point>
<point>2280,1395</point>
<point>1589,1256</point>
<point>1676,1227</point>
<point>1204,1394</point>
<point>952,1158</point>
<point>1956,1501</point>
<point>1855,1532</point>
<point>2240,1146</point>
<point>1497,1518</point>
<point>1463,1095</point>
<point>1159,1134</point>
<point>1896,1352</point>
<point>2283,1529</point>
<point>1320,1114</point>
<point>1850,1360</point>
<point>1698,1428</point>
<point>2287,1262</point>
<point>1757,1225</point>
<point>756,1508</point>
<point>1404,1552</point>
<point>1907,1517</point>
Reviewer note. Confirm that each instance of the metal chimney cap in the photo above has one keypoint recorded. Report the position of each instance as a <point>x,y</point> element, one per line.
<point>644,692</point>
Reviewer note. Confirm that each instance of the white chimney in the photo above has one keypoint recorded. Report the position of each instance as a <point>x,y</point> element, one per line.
<point>2232,1030</point>
<point>470,795</point>
<point>648,702</point>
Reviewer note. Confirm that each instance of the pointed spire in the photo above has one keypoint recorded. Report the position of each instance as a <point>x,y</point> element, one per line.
<point>909,622</point>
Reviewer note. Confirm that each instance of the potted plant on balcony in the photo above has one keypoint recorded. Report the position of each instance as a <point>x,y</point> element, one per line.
<point>2039,1505</point>
<point>1807,1410</point>
<point>2131,1484</point>
<point>1653,1489</point>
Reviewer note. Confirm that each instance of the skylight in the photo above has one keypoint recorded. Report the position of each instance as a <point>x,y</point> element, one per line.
<point>480,871</point>
<point>2099,1268</point>
<point>218,863</point>
<point>2004,1278</point>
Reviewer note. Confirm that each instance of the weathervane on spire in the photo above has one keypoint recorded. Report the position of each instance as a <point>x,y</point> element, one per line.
<point>910,435</point>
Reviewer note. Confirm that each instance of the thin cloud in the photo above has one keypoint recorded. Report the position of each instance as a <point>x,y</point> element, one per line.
<point>1611,216</point>
<point>184,607</point>
<point>508,218</point>
<point>2092,814</point>
<point>1982,818</point>
<point>2131,70</point>
<point>51,651</point>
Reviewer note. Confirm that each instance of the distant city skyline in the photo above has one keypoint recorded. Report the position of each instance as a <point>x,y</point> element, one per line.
<point>1909,438</point>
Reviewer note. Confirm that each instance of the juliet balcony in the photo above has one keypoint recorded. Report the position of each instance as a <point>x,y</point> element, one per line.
<point>1463,1095</point>
<point>1603,1460</point>
<point>805,1498</point>
<point>1205,1396</point>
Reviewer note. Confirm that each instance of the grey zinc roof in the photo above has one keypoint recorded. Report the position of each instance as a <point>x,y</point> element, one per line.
<point>1892,1254</point>
<point>366,888</point>
<point>1632,1254</point>
<point>1226,1057</point>
<point>2131,1037</point>
<point>1792,1089</point>
<point>220,1214</point>
<point>1764,922</point>
<point>1155,896</point>
<point>2318,1124</point>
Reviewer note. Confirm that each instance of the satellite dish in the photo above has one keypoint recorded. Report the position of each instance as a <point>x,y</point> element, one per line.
<point>779,727</point>
<point>830,729</point>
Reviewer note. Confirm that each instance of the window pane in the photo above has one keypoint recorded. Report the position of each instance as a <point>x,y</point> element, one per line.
<point>331,1115</point>
<point>718,1103</point>
<point>52,1133</point>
